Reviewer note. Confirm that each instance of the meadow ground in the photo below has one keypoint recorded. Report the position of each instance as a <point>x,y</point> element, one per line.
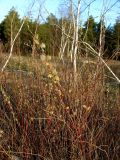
<point>46,115</point>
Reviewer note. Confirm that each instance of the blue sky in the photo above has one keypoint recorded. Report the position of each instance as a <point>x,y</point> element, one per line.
<point>24,6</point>
<point>111,6</point>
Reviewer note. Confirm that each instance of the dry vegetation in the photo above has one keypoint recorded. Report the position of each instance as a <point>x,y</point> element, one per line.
<point>44,115</point>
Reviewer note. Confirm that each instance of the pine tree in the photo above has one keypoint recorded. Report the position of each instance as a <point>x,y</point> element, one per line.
<point>90,27</point>
<point>10,26</point>
<point>109,42</point>
<point>54,40</point>
<point>26,37</point>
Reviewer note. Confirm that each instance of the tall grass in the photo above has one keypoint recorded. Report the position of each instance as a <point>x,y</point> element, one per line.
<point>45,116</point>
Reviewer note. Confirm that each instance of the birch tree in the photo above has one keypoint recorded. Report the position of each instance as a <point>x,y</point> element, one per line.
<point>72,33</point>
<point>66,27</point>
<point>75,20</point>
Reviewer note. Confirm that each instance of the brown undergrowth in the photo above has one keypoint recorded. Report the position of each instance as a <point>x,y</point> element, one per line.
<point>47,116</point>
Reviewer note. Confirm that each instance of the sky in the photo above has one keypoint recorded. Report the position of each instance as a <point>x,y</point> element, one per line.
<point>23,7</point>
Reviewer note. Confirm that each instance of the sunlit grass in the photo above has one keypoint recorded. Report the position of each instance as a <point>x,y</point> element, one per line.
<point>44,115</point>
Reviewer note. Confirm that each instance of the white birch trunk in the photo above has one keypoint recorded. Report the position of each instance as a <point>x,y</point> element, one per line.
<point>76,39</point>
<point>74,26</point>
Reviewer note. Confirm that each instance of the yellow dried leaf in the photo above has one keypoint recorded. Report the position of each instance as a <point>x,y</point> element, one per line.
<point>56,78</point>
<point>50,75</point>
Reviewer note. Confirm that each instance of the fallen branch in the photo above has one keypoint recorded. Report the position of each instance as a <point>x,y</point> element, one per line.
<point>102,60</point>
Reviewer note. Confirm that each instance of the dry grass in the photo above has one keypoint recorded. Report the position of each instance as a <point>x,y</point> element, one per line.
<point>45,116</point>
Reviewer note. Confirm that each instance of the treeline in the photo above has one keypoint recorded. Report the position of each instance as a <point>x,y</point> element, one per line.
<point>31,33</point>
<point>51,33</point>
